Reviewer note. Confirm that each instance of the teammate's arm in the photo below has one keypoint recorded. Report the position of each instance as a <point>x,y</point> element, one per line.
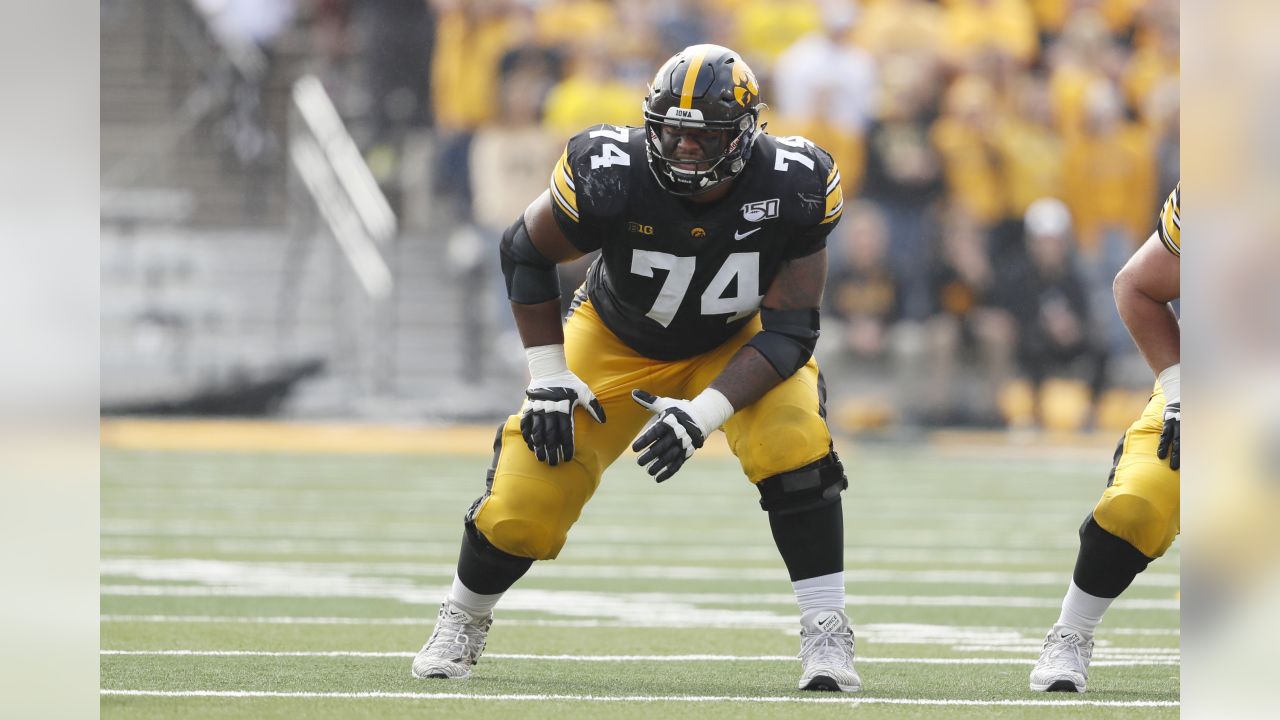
<point>531,248</point>
<point>789,314</point>
<point>1143,289</point>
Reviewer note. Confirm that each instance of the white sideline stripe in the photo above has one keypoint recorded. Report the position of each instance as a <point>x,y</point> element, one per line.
<point>152,569</point>
<point>424,621</point>
<point>271,620</point>
<point>627,658</point>
<point>431,596</point>
<point>968,556</point>
<point>1043,547</point>
<point>1035,646</point>
<point>633,698</point>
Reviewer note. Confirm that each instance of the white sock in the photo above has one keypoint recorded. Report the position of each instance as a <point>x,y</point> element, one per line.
<point>823,592</point>
<point>1081,611</point>
<point>474,603</point>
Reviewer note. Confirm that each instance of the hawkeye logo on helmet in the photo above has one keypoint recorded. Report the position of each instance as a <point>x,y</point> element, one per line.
<point>763,210</point>
<point>745,89</point>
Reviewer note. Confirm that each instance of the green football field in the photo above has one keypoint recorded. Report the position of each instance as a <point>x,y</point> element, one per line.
<point>277,585</point>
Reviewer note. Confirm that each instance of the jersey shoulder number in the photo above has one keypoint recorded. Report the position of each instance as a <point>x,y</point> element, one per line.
<point>590,179</point>
<point>1170,225</point>
<point>811,176</point>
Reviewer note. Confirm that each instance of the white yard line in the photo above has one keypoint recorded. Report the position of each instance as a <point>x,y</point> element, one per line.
<point>959,540</point>
<point>430,596</point>
<point>183,501</point>
<point>1020,647</point>
<point>1133,662</point>
<point>633,698</point>
<point>189,569</point>
<point>973,640</point>
<point>596,549</point>
<point>896,629</point>
<point>227,578</point>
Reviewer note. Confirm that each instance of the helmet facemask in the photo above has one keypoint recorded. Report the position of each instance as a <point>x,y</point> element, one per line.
<point>690,157</point>
<point>700,119</point>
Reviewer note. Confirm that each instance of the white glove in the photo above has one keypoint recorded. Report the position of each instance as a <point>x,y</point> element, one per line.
<point>546,422</point>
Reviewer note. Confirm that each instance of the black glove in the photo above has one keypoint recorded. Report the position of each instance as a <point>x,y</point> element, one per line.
<point>547,419</point>
<point>671,439</point>
<point>1170,436</point>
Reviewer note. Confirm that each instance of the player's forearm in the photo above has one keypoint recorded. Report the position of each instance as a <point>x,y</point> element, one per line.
<point>746,378</point>
<point>1152,323</point>
<point>539,324</point>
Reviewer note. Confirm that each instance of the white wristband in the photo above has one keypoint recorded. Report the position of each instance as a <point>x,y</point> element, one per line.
<point>712,409</point>
<point>1170,380</point>
<point>546,360</point>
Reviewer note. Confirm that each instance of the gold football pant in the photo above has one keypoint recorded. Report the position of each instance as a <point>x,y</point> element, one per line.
<point>530,506</point>
<point>1141,503</point>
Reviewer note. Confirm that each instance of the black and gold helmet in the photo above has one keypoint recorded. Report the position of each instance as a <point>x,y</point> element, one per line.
<point>708,94</point>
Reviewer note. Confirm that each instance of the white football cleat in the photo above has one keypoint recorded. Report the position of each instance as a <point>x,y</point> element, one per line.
<point>1064,662</point>
<point>454,646</point>
<point>826,652</point>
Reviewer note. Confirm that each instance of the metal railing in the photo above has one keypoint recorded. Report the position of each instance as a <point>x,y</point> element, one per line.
<point>333,192</point>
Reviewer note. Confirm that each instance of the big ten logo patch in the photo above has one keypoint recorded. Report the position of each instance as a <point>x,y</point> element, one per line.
<point>641,228</point>
<point>762,210</point>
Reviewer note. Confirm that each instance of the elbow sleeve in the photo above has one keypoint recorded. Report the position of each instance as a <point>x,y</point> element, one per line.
<point>531,278</point>
<point>787,339</point>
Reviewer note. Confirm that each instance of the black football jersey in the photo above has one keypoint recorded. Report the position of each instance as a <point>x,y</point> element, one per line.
<point>677,278</point>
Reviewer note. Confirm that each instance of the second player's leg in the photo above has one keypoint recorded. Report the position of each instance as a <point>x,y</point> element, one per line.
<point>785,448</point>
<point>1134,523</point>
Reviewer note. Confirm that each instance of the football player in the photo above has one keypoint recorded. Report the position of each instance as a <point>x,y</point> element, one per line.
<point>1137,517</point>
<point>700,314</point>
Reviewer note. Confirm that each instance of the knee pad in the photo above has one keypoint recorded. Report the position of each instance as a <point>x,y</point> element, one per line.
<point>1137,520</point>
<point>813,486</point>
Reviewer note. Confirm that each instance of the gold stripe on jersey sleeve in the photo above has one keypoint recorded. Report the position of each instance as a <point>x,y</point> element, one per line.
<point>835,197</point>
<point>562,188</point>
<point>1171,222</point>
<point>691,76</point>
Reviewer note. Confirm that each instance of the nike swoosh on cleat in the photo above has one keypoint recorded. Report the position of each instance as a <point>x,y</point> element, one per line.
<point>738,236</point>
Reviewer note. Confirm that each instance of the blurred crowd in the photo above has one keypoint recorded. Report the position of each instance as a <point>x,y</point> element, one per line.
<point>1001,159</point>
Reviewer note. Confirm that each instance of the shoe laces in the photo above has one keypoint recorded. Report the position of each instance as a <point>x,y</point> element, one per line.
<point>1067,651</point>
<point>827,647</point>
<point>456,638</point>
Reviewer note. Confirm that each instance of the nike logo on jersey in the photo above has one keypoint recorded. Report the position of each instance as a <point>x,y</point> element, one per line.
<point>738,236</point>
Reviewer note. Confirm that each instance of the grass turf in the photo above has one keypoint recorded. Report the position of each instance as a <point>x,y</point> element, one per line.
<point>281,552</point>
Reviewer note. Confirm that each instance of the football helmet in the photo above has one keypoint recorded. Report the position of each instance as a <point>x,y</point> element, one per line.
<point>708,95</point>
